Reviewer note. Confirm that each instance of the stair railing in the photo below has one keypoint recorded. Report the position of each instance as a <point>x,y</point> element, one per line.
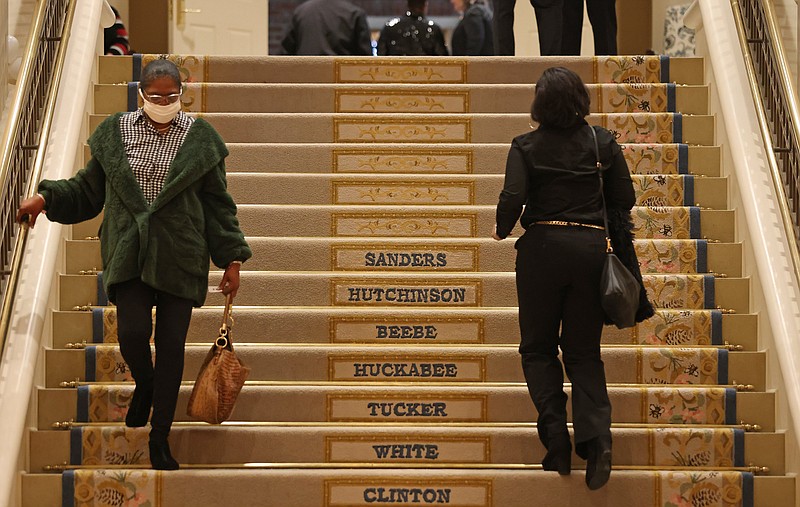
<point>776,106</point>
<point>24,143</point>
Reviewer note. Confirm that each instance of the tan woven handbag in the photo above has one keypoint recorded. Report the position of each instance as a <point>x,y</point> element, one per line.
<point>221,377</point>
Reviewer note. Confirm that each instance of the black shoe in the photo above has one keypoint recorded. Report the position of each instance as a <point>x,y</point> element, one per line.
<point>139,408</point>
<point>559,455</point>
<point>598,466</point>
<point>160,457</point>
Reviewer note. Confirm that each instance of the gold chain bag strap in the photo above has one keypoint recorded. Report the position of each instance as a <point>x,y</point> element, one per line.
<point>221,377</point>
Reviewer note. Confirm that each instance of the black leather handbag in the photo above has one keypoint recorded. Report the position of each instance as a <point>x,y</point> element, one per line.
<point>619,289</point>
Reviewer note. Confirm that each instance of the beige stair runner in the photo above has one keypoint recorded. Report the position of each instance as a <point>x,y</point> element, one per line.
<point>379,319</point>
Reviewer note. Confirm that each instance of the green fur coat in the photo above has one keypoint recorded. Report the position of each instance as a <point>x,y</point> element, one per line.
<point>168,243</point>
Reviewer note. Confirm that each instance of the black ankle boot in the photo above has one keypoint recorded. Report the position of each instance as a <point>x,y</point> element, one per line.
<point>160,457</point>
<point>559,455</point>
<point>139,408</point>
<point>598,465</point>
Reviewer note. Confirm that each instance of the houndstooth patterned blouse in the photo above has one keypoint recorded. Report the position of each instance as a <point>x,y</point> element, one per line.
<point>150,154</point>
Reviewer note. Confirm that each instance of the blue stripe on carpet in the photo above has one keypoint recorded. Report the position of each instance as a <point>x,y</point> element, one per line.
<point>76,446</point>
<point>683,158</point>
<point>722,366</point>
<point>738,447</point>
<point>671,106</point>
<point>694,222</point>
<point>133,96</point>
<point>702,255</point>
<point>708,290</point>
<point>730,406</point>
<point>688,190</point>
<point>136,75</point>
<point>97,325</point>
<point>83,404</point>
<point>102,298</point>
<point>68,488</point>
<point>677,128</point>
<point>665,69</point>
<point>91,364</point>
<point>747,489</point>
<point>716,327</point>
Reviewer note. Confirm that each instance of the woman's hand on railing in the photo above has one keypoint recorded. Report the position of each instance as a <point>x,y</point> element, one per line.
<point>29,210</point>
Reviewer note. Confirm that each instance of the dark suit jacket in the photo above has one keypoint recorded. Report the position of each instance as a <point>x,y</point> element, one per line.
<point>328,27</point>
<point>553,173</point>
<point>473,35</point>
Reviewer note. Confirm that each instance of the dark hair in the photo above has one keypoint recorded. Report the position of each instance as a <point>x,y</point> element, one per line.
<point>157,69</point>
<point>561,99</point>
<point>416,5</point>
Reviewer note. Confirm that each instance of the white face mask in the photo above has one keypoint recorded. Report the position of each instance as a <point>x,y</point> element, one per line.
<point>159,113</point>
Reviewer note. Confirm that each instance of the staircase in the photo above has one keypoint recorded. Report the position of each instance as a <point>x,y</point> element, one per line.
<point>379,318</point>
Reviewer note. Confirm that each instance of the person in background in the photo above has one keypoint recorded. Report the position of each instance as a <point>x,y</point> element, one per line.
<point>549,14</point>
<point>328,27</point>
<point>158,175</point>
<point>473,34</point>
<point>115,38</point>
<point>552,172</point>
<point>602,16</point>
<point>412,34</point>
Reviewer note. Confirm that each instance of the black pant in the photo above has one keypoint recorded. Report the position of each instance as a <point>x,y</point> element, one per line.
<point>135,301</point>
<point>602,16</point>
<point>549,19</point>
<point>558,286</point>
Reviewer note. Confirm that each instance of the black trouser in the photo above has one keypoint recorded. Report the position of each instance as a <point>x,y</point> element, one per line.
<point>558,286</point>
<point>548,20</point>
<point>135,301</point>
<point>602,16</point>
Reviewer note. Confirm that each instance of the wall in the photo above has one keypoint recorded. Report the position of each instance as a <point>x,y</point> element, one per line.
<point>3,61</point>
<point>147,25</point>
<point>20,15</point>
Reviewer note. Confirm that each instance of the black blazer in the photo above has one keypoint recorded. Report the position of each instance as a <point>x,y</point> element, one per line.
<point>473,34</point>
<point>552,172</point>
<point>328,27</point>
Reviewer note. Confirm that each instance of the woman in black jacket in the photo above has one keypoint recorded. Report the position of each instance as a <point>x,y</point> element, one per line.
<point>473,34</point>
<point>552,172</point>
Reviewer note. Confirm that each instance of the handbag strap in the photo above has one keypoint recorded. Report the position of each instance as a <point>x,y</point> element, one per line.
<point>224,337</point>
<point>599,165</point>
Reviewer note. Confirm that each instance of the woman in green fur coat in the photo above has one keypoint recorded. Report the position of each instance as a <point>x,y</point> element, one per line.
<point>160,177</point>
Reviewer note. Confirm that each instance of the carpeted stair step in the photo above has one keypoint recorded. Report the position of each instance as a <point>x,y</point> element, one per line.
<point>478,158</point>
<point>420,290</point>
<point>357,189</point>
<point>457,221</point>
<point>341,487</point>
<point>698,447</point>
<point>371,221</point>
<point>278,69</point>
<point>464,128</point>
<point>436,255</point>
<point>398,98</point>
<point>405,363</point>
<point>443,403</point>
<point>425,327</point>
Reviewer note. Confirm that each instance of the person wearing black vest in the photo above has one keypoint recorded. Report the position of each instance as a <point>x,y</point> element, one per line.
<point>473,34</point>
<point>552,172</point>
